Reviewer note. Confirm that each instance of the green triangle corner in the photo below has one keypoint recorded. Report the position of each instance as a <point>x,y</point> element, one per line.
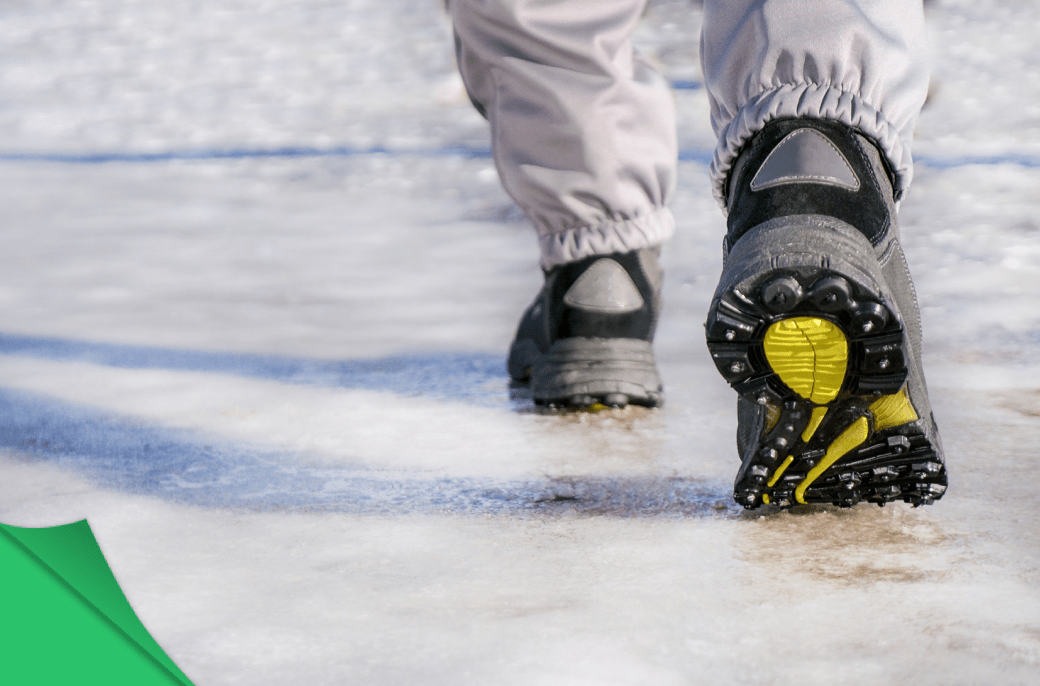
<point>71,552</point>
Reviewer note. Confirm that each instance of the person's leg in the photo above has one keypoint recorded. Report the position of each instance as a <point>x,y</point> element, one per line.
<point>583,136</point>
<point>815,322</point>
<point>582,127</point>
<point>863,63</point>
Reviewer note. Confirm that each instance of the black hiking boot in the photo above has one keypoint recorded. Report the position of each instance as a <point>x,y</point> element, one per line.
<point>586,339</point>
<point>815,324</point>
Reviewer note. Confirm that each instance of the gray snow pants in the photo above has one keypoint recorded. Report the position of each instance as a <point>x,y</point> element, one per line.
<point>583,128</point>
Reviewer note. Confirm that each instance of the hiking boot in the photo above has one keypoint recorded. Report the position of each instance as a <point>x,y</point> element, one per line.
<point>586,339</point>
<point>815,324</point>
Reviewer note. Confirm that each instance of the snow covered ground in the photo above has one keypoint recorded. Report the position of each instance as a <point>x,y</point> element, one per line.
<point>273,381</point>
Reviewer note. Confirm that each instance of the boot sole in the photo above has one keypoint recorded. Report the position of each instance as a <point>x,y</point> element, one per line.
<point>804,324</point>
<point>582,372</point>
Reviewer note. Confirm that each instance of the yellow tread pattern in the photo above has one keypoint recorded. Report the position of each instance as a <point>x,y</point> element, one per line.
<point>810,355</point>
<point>772,417</point>
<point>780,471</point>
<point>818,413</point>
<point>849,439</point>
<point>893,410</point>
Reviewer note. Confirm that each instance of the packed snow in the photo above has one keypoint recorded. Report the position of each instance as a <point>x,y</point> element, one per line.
<point>257,284</point>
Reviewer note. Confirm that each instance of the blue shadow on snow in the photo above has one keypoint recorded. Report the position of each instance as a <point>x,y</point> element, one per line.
<point>180,466</point>
<point>477,378</point>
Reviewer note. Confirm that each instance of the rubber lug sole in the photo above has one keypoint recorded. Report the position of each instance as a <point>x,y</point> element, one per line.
<point>583,372</point>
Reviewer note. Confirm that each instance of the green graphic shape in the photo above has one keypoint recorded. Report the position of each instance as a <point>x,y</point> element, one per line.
<point>63,617</point>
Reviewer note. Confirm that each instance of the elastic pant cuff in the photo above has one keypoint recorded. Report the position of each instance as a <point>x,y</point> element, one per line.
<point>608,237</point>
<point>812,101</point>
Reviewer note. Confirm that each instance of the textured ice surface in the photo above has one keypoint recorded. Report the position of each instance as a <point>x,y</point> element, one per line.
<point>276,387</point>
